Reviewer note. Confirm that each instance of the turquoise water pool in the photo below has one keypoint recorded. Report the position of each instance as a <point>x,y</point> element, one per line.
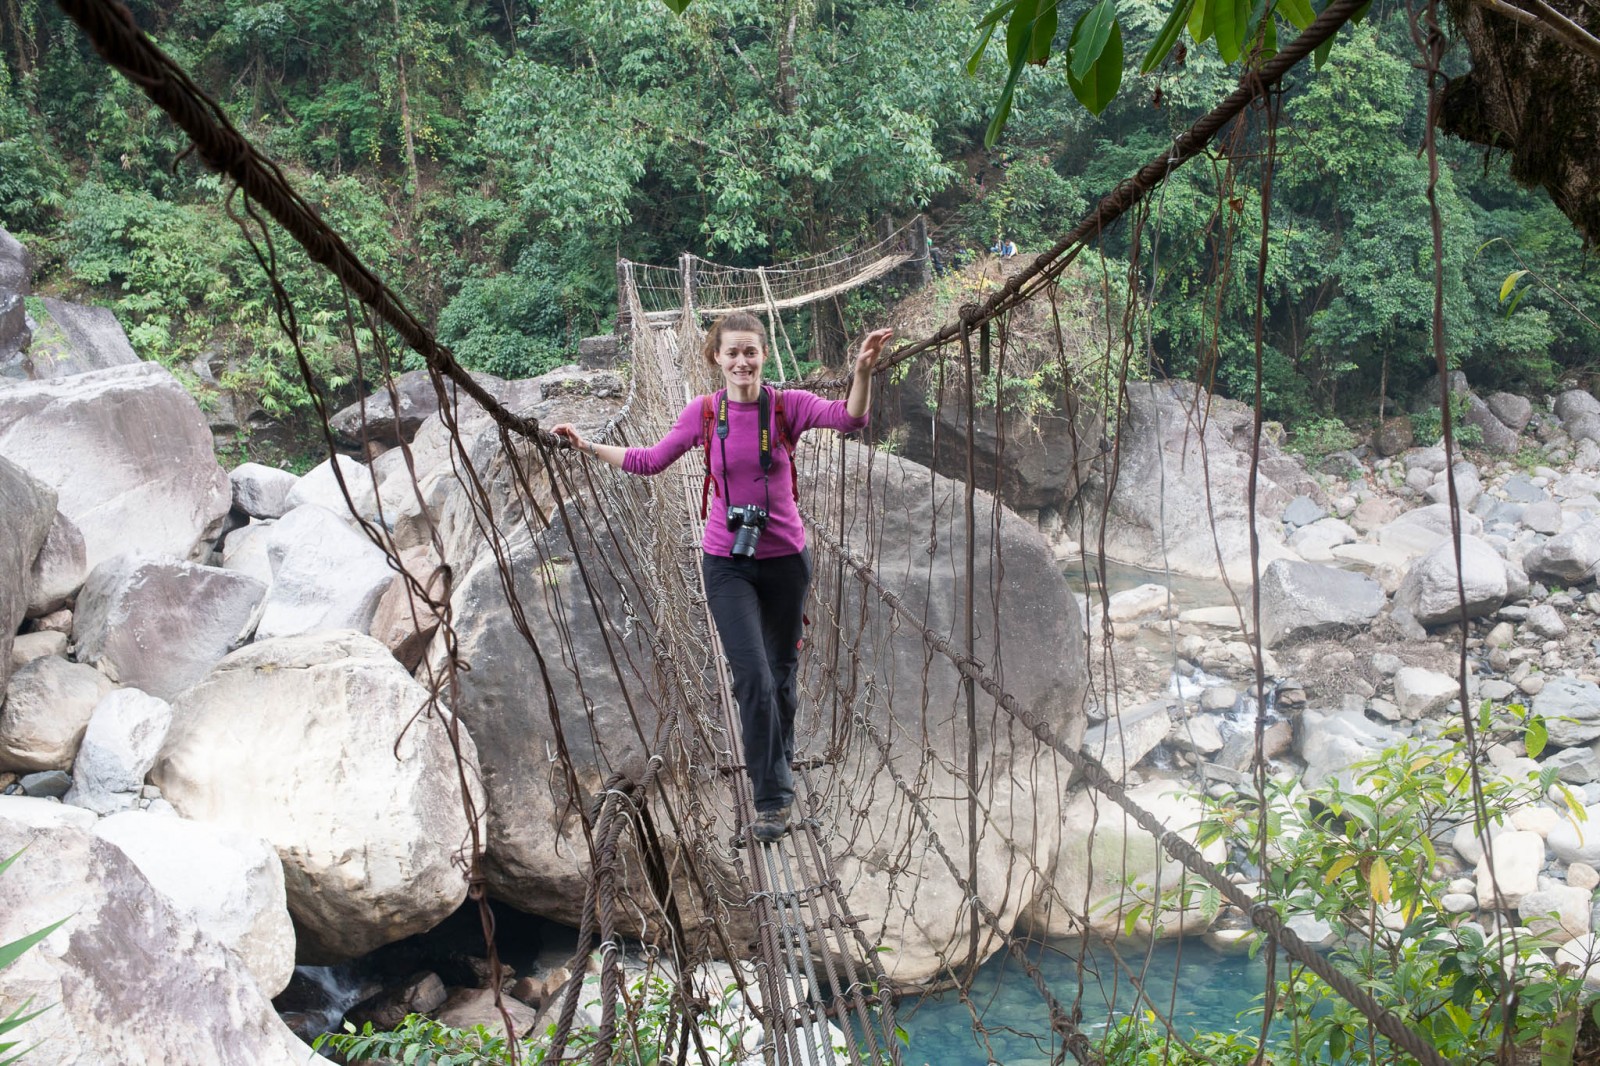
<point>1201,988</point>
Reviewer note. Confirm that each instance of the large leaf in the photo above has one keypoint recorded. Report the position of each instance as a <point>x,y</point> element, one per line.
<point>1002,110</point>
<point>678,7</point>
<point>1044,33</point>
<point>1168,35</point>
<point>1019,31</point>
<point>1090,37</point>
<point>1297,12</point>
<point>1233,28</point>
<point>1378,883</point>
<point>1202,20</point>
<point>1105,75</point>
<point>998,12</point>
<point>1321,54</point>
<point>977,53</point>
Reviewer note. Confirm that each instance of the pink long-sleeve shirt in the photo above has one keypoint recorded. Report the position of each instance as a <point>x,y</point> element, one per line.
<point>742,480</point>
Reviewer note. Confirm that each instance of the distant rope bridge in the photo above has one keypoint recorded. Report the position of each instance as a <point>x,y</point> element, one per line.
<point>673,873</point>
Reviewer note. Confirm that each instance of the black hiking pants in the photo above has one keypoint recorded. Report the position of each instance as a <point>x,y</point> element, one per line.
<point>758,607</point>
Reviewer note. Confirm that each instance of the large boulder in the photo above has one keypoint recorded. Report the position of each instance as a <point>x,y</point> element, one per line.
<point>46,710</point>
<point>315,744</point>
<point>124,735</point>
<point>1497,436</point>
<point>1042,473</point>
<point>261,491</point>
<point>320,486</point>
<point>1429,590</point>
<point>325,575</point>
<point>1181,497</point>
<point>160,624</point>
<point>1330,742</point>
<point>26,511</point>
<point>128,452</point>
<point>1570,707</point>
<point>1300,600</point>
<point>1568,558</point>
<point>16,269</point>
<point>228,882</point>
<point>379,418</point>
<point>59,570</point>
<point>129,978</point>
<point>1128,736</point>
<point>76,338</point>
<point>1575,402</point>
<point>1512,410</point>
<point>1108,865</point>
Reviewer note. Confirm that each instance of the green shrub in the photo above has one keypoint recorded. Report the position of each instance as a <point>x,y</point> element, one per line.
<point>1321,437</point>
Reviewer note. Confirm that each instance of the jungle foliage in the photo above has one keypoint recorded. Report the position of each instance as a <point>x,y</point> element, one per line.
<point>493,161</point>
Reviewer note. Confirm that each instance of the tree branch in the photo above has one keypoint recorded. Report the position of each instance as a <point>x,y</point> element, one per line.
<point>1548,21</point>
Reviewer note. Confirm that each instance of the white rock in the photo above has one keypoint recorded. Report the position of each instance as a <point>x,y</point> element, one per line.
<point>1315,543</point>
<point>1470,846</point>
<point>1137,602</point>
<point>261,491</point>
<point>325,575</point>
<point>1124,739</point>
<point>47,708</point>
<point>1516,862</point>
<point>320,486</point>
<point>129,453</point>
<point>1539,820</point>
<point>1432,593</point>
<point>245,550</point>
<point>129,978</point>
<point>1574,840</point>
<point>367,834</point>
<point>119,746</point>
<point>1582,875</point>
<point>1582,956</point>
<point>1560,913</point>
<point>1545,621</point>
<point>230,883</point>
<point>160,624</point>
<point>1199,734</point>
<point>1419,693</point>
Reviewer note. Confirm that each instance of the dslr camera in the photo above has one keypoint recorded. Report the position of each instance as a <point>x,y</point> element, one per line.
<point>746,522</point>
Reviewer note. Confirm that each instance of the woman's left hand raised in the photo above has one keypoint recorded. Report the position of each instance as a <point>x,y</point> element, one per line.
<point>871,350</point>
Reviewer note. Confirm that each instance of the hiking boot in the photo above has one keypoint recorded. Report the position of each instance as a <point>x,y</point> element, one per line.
<point>772,824</point>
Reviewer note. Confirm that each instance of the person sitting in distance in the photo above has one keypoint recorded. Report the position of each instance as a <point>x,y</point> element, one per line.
<point>753,550</point>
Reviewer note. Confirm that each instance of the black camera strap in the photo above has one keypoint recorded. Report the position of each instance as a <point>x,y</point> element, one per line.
<point>763,442</point>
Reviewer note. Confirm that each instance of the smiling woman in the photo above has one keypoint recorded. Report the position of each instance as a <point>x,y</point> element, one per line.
<point>756,565</point>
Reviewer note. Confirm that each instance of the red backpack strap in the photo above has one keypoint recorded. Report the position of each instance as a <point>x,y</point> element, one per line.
<point>787,442</point>
<point>708,418</point>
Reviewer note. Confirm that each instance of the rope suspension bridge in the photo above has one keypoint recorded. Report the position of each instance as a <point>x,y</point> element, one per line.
<point>937,741</point>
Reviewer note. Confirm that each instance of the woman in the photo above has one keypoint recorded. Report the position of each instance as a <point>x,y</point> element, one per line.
<point>754,558</point>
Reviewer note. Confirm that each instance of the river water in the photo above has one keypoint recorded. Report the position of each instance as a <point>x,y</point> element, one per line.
<point>1202,990</point>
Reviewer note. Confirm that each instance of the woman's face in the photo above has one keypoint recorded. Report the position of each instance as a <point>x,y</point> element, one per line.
<point>740,356</point>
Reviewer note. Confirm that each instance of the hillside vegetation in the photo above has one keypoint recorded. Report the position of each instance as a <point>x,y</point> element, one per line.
<point>493,161</point>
